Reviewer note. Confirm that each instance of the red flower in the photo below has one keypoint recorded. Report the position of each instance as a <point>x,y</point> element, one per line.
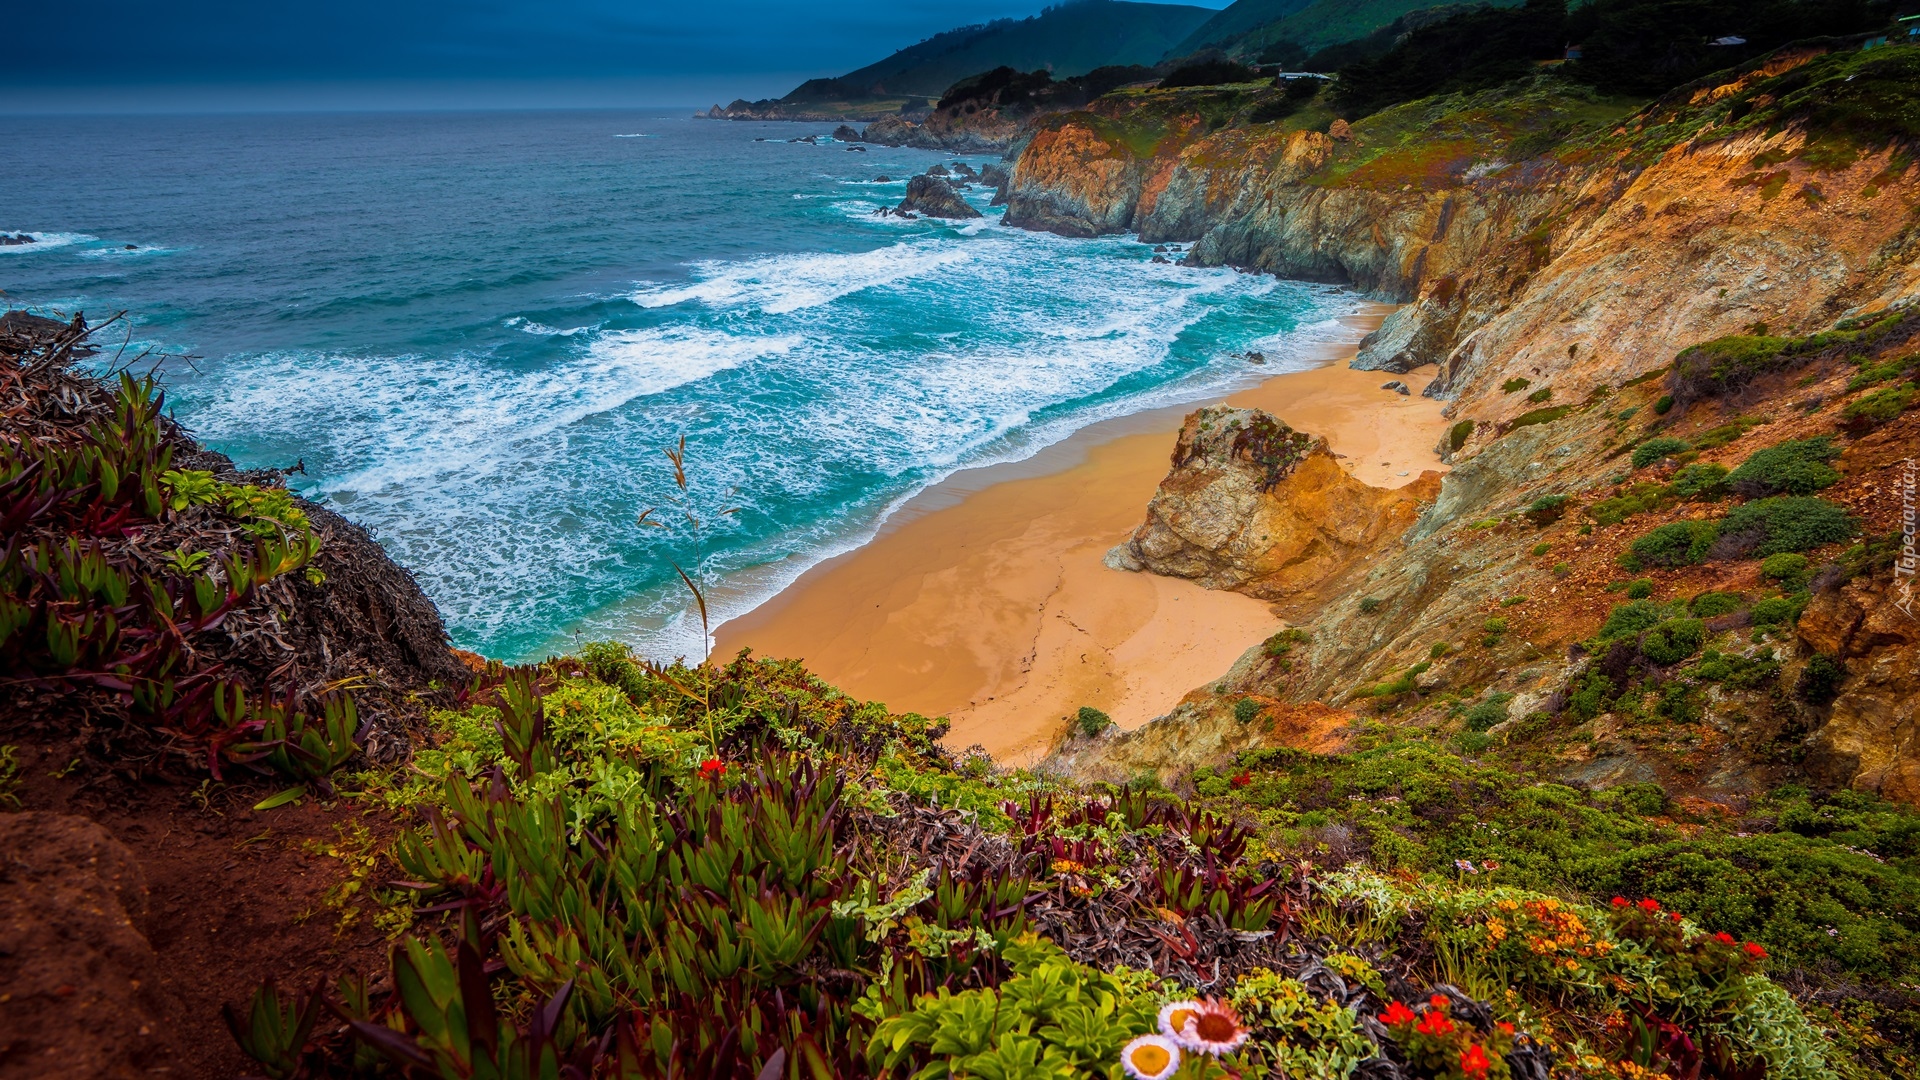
<point>1439,1001</point>
<point>712,769</point>
<point>1649,904</point>
<point>1243,779</point>
<point>1397,1014</point>
<point>1723,938</point>
<point>1674,915</point>
<point>1473,1061</point>
<point>1754,950</point>
<point>1435,1023</point>
<point>1505,1028</point>
<point>1619,901</point>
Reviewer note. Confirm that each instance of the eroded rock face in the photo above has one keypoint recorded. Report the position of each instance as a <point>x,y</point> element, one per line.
<point>1254,506</point>
<point>78,976</point>
<point>1871,739</point>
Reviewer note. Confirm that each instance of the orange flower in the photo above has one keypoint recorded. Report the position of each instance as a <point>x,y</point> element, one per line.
<point>1473,1061</point>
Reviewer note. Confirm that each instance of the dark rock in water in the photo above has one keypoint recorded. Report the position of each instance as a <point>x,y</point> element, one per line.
<point>856,149</point>
<point>1256,358</point>
<point>811,140</point>
<point>843,133</point>
<point>1160,248</point>
<point>1397,387</point>
<point>961,168</point>
<point>760,138</point>
<point>935,197</point>
<point>938,170</point>
<point>996,177</point>
<point>131,247</point>
<point>1161,259</point>
<point>15,240</point>
<point>883,178</point>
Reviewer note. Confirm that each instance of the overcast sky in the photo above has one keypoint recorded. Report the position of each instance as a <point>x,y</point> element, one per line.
<point>446,53</point>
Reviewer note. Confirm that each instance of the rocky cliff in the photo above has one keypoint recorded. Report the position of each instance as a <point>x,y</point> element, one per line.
<point>1255,506</point>
<point>1688,219</point>
<point>1554,254</point>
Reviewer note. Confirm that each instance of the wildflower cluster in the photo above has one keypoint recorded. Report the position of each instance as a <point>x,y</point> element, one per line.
<point>1439,1046</point>
<point>1207,1027</point>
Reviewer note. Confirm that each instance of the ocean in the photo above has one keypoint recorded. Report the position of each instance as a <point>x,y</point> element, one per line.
<point>481,333</point>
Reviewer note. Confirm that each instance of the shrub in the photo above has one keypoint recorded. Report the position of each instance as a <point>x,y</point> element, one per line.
<point>1458,436</point>
<point>1700,480</point>
<point>1561,569</point>
<point>1631,618</point>
<point>1439,649</point>
<point>1663,406</point>
<point>1655,449</point>
<point>1726,364</point>
<point>1637,499</point>
<point>1488,713</point>
<point>1796,467</point>
<point>1514,386</point>
<point>1786,564</point>
<point>1716,437</point>
<point>1773,611</point>
<point>1541,396</point>
<point>1783,523</point>
<point>1712,605</point>
<point>1820,680</point>
<point>1091,721</point>
<point>1872,410</point>
<point>1680,543</point>
<point>1370,605</point>
<point>1495,625</point>
<point>1246,709</point>
<point>1673,641</point>
<point>1547,509</point>
<point>1217,72</point>
<point>1639,589</point>
<point>1541,549</point>
<point>1542,416</point>
<point>1283,642</point>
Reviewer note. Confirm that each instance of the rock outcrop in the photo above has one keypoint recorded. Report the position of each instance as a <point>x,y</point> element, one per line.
<point>1871,738</point>
<point>934,197</point>
<point>961,133</point>
<point>1254,506</point>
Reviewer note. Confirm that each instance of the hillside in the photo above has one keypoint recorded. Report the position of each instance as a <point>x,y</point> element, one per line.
<point>1067,40</point>
<point>1249,28</point>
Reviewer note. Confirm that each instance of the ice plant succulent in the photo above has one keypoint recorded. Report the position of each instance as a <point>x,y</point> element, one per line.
<point>1150,1057</point>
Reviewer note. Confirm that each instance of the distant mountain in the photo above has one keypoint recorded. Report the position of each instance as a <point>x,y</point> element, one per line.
<point>1249,27</point>
<point>1071,39</point>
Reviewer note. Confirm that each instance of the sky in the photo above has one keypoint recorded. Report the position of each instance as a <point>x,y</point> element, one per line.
<point>119,55</point>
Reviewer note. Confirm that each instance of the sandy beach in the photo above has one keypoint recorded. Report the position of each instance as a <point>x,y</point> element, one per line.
<point>985,599</point>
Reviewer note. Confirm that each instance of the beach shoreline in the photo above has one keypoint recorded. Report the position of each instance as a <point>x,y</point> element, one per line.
<point>985,600</point>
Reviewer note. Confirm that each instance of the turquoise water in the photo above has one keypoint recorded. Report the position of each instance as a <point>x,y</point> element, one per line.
<point>479,333</point>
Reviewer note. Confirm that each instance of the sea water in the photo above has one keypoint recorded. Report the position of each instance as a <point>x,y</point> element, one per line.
<point>479,334</point>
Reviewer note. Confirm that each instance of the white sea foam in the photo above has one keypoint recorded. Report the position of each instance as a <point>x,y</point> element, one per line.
<point>780,284</point>
<point>45,241</point>
<point>537,329</point>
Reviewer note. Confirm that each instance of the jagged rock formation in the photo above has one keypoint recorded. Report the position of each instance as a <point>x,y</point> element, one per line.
<point>980,133</point>
<point>934,197</point>
<point>1255,506</point>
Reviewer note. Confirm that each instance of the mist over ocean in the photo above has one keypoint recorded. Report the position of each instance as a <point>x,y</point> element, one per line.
<point>478,332</point>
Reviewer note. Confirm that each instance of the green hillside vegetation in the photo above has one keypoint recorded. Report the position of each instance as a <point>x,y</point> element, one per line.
<point>1068,40</point>
<point>1297,30</point>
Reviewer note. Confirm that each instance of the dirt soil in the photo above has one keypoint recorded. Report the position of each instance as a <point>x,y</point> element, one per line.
<point>231,898</point>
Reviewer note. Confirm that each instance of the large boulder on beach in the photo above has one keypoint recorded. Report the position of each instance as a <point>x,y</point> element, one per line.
<point>1255,506</point>
<point>934,197</point>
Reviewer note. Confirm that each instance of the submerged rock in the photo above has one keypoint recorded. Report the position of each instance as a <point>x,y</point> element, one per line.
<point>1255,506</point>
<point>16,239</point>
<point>934,197</point>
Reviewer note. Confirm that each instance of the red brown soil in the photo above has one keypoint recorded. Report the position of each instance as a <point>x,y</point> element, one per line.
<point>234,897</point>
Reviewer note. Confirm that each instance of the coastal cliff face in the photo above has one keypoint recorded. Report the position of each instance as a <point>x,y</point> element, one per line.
<point>1582,264</point>
<point>1554,290</point>
<point>1255,506</point>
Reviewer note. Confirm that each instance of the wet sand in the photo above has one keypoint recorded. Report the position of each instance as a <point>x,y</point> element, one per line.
<point>985,599</point>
